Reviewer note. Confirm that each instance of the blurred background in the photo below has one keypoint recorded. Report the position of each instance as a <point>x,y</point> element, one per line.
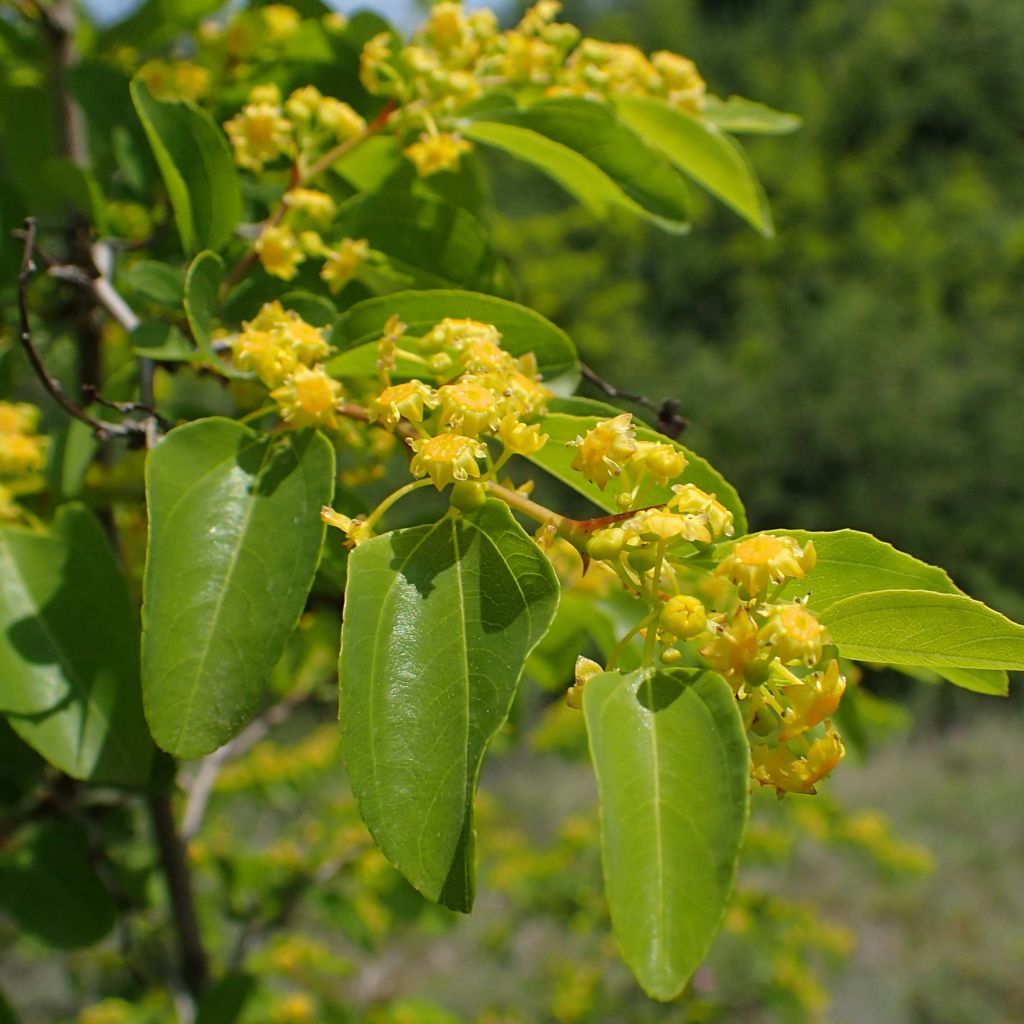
<point>863,369</point>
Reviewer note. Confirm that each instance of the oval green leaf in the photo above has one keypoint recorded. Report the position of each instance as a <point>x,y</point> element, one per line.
<point>592,154</point>
<point>556,458</point>
<point>69,651</point>
<point>439,621</point>
<point>704,152</point>
<point>234,539</point>
<point>919,628</point>
<point>672,765</point>
<point>197,168</point>
<point>522,330</point>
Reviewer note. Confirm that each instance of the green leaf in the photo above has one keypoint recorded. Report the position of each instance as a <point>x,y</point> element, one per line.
<point>672,765</point>
<point>69,650</point>
<point>439,621</point>
<point>916,627</point>
<point>52,891</point>
<point>428,242</point>
<point>592,154</point>
<point>198,171</point>
<point>740,115</point>
<point>161,341</point>
<point>703,152</point>
<point>522,330</point>
<point>556,458</point>
<point>158,282</point>
<point>850,563</point>
<point>234,538</point>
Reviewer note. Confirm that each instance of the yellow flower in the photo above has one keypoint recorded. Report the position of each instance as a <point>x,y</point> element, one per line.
<point>21,454</point>
<point>663,462</point>
<point>447,28</point>
<point>340,118</point>
<point>316,204</point>
<point>259,134</point>
<point>790,773</point>
<point>375,71</point>
<point>294,1008</point>
<point>691,499</point>
<point>175,80</point>
<point>812,700</point>
<point>441,152</point>
<point>18,418</point>
<point>302,104</point>
<point>585,671</point>
<point>343,263</point>
<point>266,354</point>
<point>665,525</point>
<point>605,450</point>
<point>271,317</point>
<point>468,407</point>
<point>457,334</point>
<point>683,616</point>
<point>524,395</point>
<point>280,20</point>
<point>309,398</point>
<point>794,634</point>
<point>446,458</point>
<point>520,438</point>
<point>266,93</point>
<point>306,341</point>
<point>279,252</point>
<point>403,401</point>
<point>682,83</point>
<point>758,561</point>
<point>733,647</point>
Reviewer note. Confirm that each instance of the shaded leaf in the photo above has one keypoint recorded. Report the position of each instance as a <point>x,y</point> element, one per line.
<point>235,535</point>
<point>439,621</point>
<point>740,115</point>
<point>69,650</point>
<point>672,765</point>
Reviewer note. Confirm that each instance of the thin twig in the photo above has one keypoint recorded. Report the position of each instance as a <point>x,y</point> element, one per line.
<point>191,951</point>
<point>669,423</point>
<point>103,429</point>
<point>202,784</point>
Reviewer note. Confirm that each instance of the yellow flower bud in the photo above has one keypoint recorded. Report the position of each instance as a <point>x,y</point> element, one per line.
<point>683,616</point>
<point>340,118</point>
<point>302,104</point>
<point>440,152</point>
<point>319,206</point>
<point>520,438</point>
<point>279,252</point>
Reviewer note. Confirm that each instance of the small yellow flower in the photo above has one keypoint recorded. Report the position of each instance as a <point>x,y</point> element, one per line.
<point>682,84</point>
<point>259,134</point>
<point>319,206</point>
<point>813,699</point>
<point>342,264</point>
<point>456,334</point>
<point>794,634</point>
<point>733,647</point>
<point>790,773</point>
<point>691,499</point>
<point>662,461</point>
<point>306,341</point>
<point>280,20</point>
<point>605,450</point>
<point>520,438</point>
<point>758,561</point>
<point>441,152</point>
<point>266,354</point>
<point>340,118</point>
<point>266,93</point>
<point>447,28</point>
<point>309,398</point>
<point>468,407</point>
<point>375,71</point>
<point>302,104</point>
<point>683,616</point>
<point>446,458</point>
<point>585,671</point>
<point>403,401</point>
<point>280,252</point>
<point>18,418</point>
<point>21,454</point>
<point>175,80</point>
<point>665,525</point>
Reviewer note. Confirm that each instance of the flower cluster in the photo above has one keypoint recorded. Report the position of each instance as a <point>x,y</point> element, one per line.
<point>722,606</point>
<point>456,55</point>
<point>286,354</point>
<point>22,451</point>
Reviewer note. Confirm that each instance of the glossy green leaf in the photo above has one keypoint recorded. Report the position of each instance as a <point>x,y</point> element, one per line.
<point>740,115</point>
<point>592,154</point>
<point>234,538</point>
<point>522,330</point>
<point>916,627</point>
<point>197,167</point>
<point>850,563</point>
<point>69,650</point>
<point>202,290</point>
<point>672,765</point>
<point>704,152</point>
<point>51,889</point>
<point>556,458</point>
<point>439,621</point>
<point>428,243</point>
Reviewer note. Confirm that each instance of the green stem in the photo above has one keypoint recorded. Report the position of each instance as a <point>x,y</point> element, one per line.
<point>390,500</point>
<point>613,659</point>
